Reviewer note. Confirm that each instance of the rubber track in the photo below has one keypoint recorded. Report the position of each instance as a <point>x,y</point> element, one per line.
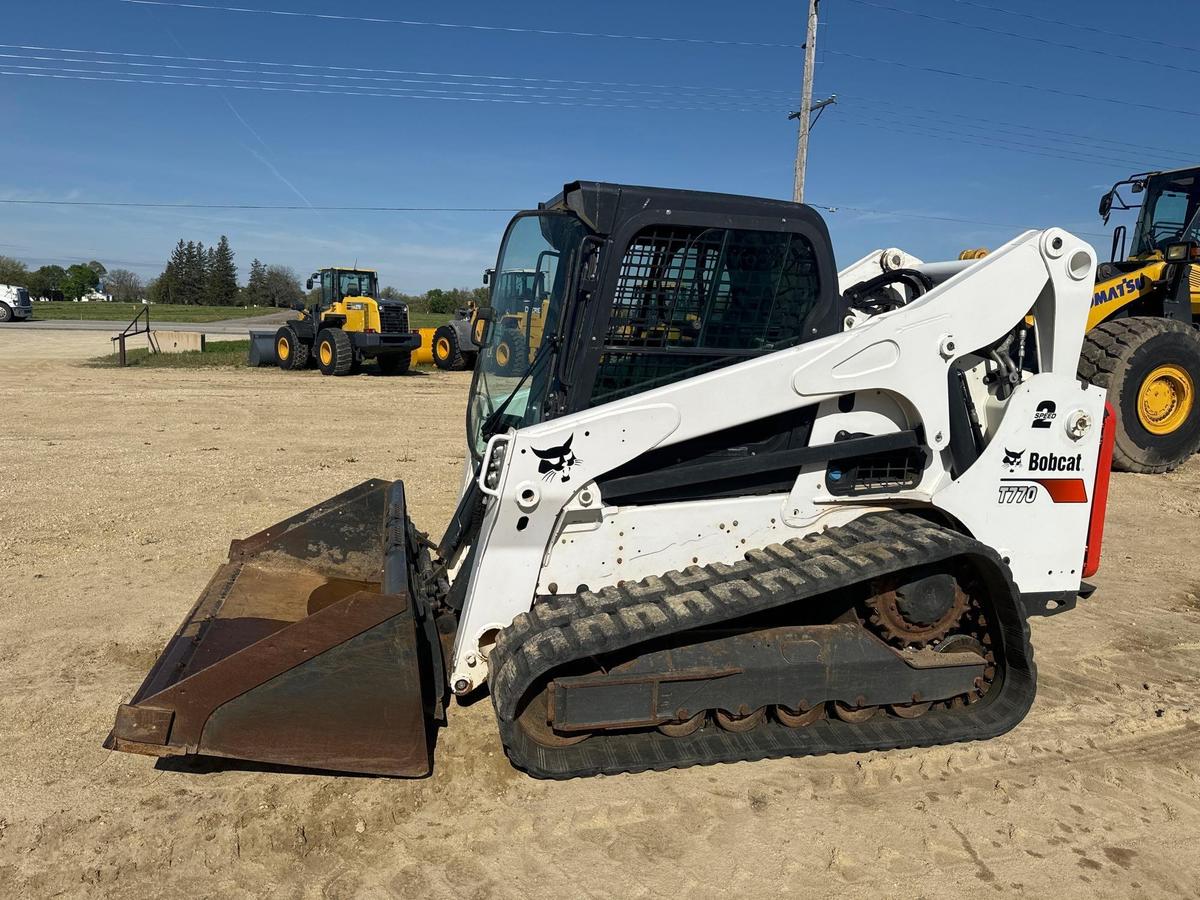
<point>572,627</point>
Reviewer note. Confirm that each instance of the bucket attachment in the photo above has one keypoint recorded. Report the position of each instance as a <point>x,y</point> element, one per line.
<point>309,648</point>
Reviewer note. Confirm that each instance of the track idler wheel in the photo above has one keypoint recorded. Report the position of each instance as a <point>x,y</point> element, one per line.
<point>740,723</point>
<point>799,717</point>
<point>909,710</point>
<point>683,727</point>
<point>535,721</point>
<point>853,714</point>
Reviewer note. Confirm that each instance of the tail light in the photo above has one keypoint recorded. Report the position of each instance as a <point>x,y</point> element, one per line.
<point>1091,558</point>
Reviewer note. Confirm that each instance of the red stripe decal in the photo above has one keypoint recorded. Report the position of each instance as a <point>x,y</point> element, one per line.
<point>1064,490</point>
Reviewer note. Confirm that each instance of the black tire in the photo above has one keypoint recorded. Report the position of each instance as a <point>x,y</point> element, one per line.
<point>6,314</point>
<point>511,353</point>
<point>469,360</point>
<point>394,363</point>
<point>334,351</point>
<point>447,354</point>
<point>291,352</point>
<point>1121,356</point>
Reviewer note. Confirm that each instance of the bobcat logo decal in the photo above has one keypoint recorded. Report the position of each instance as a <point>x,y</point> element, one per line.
<point>1011,459</point>
<point>557,461</point>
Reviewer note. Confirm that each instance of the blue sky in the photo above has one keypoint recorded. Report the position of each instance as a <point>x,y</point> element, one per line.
<point>903,150</point>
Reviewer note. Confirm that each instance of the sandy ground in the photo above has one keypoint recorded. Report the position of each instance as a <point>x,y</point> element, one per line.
<point>119,491</point>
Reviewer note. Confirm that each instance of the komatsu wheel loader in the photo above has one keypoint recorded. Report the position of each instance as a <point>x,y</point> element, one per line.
<point>1142,344</point>
<point>347,324</point>
<point>737,506</point>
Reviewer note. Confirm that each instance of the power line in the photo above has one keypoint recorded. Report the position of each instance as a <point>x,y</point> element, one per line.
<point>1040,88</point>
<point>1130,35</point>
<point>1061,45</point>
<point>991,144</point>
<point>466,26</point>
<point>258,206</point>
<point>1001,135</point>
<point>328,68</point>
<point>280,87</point>
<point>932,218</point>
<point>1037,129</point>
<point>473,209</point>
<point>495,89</point>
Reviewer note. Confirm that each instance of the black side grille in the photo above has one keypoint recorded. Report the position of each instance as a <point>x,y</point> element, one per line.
<point>393,318</point>
<point>879,473</point>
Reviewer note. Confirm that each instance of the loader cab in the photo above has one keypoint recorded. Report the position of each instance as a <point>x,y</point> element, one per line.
<point>338,284</point>
<point>1160,273</point>
<point>608,290</point>
<point>1168,212</point>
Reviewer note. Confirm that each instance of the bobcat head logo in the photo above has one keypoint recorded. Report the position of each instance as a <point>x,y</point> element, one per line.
<point>1011,459</point>
<point>557,461</point>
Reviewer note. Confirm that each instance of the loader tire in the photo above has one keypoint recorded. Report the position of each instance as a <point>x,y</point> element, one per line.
<point>335,352</point>
<point>447,354</point>
<point>1150,368</point>
<point>394,363</point>
<point>511,353</point>
<point>290,351</point>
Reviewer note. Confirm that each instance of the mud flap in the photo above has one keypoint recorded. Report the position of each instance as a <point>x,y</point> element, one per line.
<point>311,647</point>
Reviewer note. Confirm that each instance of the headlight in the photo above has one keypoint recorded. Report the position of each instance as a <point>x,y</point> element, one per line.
<point>358,306</point>
<point>1177,252</point>
<point>494,465</point>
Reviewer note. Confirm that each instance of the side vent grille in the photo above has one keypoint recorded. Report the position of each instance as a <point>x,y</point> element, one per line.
<point>879,473</point>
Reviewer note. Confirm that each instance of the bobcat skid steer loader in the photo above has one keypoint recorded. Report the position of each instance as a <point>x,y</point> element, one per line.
<point>728,511</point>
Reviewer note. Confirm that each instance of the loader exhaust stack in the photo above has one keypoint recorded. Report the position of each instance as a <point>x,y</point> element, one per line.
<point>308,648</point>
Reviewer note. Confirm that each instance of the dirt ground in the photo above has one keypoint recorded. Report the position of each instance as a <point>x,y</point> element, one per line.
<point>119,492</point>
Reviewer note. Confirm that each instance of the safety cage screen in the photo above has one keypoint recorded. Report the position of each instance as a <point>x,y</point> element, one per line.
<point>691,299</point>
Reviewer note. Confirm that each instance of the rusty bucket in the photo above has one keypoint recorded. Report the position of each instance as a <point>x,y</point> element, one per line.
<point>308,648</point>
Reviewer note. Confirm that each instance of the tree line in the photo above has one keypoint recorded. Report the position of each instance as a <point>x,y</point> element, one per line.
<point>197,275</point>
<point>73,282</point>
<point>439,300</point>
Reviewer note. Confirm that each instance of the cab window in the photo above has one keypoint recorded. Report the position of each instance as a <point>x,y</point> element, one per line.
<point>692,299</point>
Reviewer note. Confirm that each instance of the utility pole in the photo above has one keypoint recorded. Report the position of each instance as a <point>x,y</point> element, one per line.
<point>810,53</point>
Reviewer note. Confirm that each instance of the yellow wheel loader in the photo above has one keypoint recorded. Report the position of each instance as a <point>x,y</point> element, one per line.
<point>738,505</point>
<point>523,296</point>
<point>1142,345</point>
<point>452,348</point>
<point>348,324</point>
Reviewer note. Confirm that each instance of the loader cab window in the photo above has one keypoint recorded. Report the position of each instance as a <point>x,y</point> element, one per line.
<point>691,299</point>
<point>529,294</point>
<point>356,284</point>
<point>1169,213</point>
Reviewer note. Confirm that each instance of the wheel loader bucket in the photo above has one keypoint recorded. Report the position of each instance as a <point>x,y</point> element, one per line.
<point>308,648</point>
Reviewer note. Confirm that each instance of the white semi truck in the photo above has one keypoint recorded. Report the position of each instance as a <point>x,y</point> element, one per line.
<point>14,303</point>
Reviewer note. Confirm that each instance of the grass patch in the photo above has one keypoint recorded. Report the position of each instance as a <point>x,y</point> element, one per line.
<point>163,312</point>
<point>215,354</point>
<point>124,312</point>
<point>427,320</point>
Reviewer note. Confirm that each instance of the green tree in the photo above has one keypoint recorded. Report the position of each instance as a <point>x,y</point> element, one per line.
<point>154,290</point>
<point>221,286</point>
<point>254,294</point>
<point>440,301</point>
<point>281,286</point>
<point>46,280</point>
<point>80,280</point>
<point>124,285</point>
<point>13,271</point>
<point>165,288</point>
<point>98,267</point>
<point>190,275</point>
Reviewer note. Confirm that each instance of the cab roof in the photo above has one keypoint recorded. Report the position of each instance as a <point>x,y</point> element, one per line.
<point>604,205</point>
